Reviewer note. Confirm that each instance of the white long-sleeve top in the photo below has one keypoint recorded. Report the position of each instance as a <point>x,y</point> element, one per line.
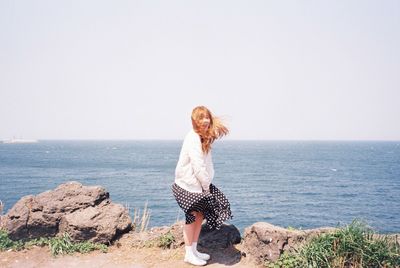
<point>194,171</point>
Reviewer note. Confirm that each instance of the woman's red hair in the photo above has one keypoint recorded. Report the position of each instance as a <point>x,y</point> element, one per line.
<point>215,131</point>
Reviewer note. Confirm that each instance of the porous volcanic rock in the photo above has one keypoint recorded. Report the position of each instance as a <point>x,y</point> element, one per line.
<point>263,241</point>
<point>85,212</point>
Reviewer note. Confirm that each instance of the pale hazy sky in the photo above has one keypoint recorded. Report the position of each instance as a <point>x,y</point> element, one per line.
<point>135,69</point>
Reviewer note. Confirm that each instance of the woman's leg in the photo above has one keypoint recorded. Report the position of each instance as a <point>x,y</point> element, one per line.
<point>197,229</point>
<point>191,232</point>
<point>188,233</point>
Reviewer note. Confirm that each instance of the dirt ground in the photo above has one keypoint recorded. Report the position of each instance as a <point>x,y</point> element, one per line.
<point>122,256</point>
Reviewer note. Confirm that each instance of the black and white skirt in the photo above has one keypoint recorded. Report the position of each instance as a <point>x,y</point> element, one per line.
<point>214,205</point>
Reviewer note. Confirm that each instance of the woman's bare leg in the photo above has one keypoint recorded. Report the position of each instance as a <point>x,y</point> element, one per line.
<point>191,232</point>
<point>188,233</point>
<point>197,228</point>
<point>196,234</point>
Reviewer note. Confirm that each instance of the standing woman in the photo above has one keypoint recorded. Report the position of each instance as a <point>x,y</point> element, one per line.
<point>192,189</point>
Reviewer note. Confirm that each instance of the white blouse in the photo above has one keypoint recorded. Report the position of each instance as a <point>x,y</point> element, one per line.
<point>195,170</point>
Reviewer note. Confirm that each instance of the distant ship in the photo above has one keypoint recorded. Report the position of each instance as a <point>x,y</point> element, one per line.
<point>13,140</point>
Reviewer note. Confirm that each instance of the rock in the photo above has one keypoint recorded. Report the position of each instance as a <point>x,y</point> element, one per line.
<point>150,238</point>
<point>41,215</point>
<point>225,237</point>
<point>15,221</point>
<point>265,242</point>
<point>209,240</point>
<point>96,224</point>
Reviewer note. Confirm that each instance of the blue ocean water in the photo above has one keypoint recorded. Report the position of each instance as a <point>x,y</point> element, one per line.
<point>303,184</point>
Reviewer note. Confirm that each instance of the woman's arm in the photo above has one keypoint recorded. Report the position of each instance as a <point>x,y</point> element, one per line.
<point>198,163</point>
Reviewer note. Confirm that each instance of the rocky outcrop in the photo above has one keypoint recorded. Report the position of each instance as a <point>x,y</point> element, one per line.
<point>227,236</point>
<point>96,224</point>
<point>85,212</point>
<point>153,236</point>
<point>266,242</point>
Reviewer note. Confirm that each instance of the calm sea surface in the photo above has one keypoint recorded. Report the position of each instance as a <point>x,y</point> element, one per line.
<point>290,183</point>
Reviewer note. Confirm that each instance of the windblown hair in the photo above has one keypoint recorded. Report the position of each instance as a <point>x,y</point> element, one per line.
<point>215,131</point>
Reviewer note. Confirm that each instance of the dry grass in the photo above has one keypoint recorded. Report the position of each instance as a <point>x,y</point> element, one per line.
<point>140,220</point>
<point>1,213</point>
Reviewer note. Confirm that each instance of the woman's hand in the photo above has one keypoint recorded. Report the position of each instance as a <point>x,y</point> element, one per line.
<point>207,191</point>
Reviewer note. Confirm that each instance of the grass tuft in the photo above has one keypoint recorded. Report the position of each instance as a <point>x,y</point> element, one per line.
<point>354,245</point>
<point>165,241</point>
<point>141,221</point>
<point>1,207</point>
<point>58,245</point>
<point>6,243</point>
<point>64,245</point>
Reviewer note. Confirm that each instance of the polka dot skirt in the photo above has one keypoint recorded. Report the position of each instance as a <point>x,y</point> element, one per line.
<point>214,205</point>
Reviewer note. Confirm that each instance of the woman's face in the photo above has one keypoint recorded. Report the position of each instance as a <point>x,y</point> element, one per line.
<point>204,121</point>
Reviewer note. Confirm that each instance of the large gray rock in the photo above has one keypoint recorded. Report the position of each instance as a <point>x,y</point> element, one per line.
<point>225,237</point>
<point>266,242</point>
<point>96,224</point>
<point>41,215</point>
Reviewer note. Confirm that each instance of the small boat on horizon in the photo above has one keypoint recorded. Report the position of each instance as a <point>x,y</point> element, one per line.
<point>13,140</point>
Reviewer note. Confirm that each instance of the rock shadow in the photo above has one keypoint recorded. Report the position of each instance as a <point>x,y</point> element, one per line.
<point>219,244</point>
<point>226,256</point>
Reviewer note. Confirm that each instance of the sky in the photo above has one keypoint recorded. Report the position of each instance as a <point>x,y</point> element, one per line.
<point>272,70</point>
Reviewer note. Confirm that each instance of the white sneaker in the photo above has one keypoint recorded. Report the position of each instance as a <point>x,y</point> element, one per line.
<point>202,256</point>
<point>192,259</point>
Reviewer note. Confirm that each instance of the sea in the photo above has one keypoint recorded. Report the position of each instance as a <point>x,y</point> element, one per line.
<point>299,184</point>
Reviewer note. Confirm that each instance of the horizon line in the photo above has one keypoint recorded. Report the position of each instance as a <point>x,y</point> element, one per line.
<point>160,139</point>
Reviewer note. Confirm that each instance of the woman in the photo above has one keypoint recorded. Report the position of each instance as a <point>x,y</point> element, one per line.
<point>192,189</point>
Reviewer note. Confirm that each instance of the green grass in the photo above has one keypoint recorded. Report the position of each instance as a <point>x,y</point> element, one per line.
<point>6,243</point>
<point>166,240</point>
<point>58,245</point>
<point>291,228</point>
<point>354,245</point>
<point>163,241</point>
<point>64,245</point>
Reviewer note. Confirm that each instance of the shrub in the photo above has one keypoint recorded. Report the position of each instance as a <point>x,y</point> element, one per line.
<point>166,240</point>
<point>64,245</point>
<point>354,245</point>
<point>7,243</point>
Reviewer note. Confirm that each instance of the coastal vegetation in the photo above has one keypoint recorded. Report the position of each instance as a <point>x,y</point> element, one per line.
<point>57,245</point>
<point>140,220</point>
<point>164,241</point>
<point>63,244</point>
<point>355,245</point>
<point>140,223</point>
